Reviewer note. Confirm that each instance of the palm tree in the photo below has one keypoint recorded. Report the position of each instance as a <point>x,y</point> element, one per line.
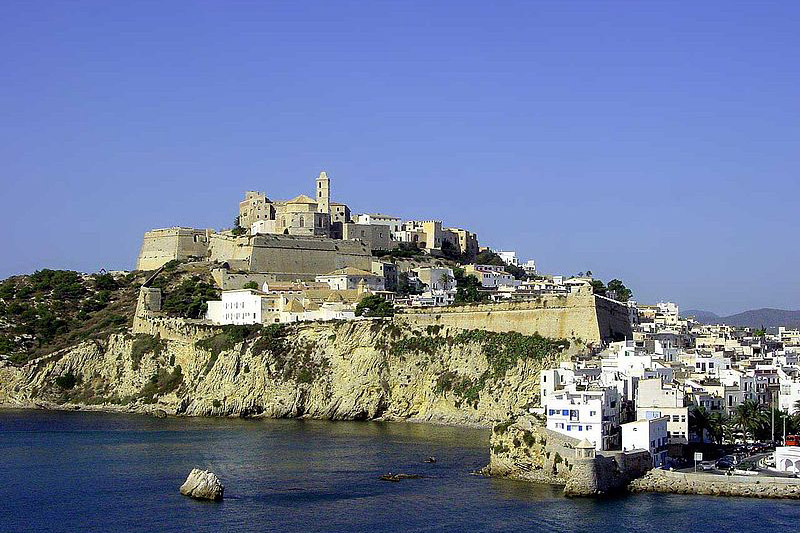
<point>445,280</point>
<point>717,422</point>
<point>699,422</point>
<point>751,417</point>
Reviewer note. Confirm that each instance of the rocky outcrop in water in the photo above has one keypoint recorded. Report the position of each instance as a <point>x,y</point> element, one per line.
<point>203,485</point>
<point>341,371</point>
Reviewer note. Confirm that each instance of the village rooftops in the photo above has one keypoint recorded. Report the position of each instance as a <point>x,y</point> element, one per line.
<point>350,271</point>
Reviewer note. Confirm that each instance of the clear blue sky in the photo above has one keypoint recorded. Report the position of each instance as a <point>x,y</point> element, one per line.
<point>654,142</point>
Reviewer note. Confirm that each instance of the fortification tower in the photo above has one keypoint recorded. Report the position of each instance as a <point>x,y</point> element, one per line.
<point>323,195</point>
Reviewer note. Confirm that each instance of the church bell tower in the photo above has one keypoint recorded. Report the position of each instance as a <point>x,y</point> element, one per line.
<point>323,195</point>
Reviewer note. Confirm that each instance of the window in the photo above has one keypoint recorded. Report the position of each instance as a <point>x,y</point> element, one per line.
<point>675,418</point>
<point>302,222</point>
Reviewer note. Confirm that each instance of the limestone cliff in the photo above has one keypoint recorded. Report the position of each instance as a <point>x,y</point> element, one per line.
<point>347,370</point>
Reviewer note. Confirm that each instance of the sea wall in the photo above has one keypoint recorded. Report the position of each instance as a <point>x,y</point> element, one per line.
<point>572,316</point>
<point>716,485</point>
<point>607,473</point>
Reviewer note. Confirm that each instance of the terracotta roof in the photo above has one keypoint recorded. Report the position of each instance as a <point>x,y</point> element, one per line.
<point>350,271</point>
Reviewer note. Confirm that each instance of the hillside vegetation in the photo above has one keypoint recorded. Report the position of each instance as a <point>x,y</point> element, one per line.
<point>50,310</point>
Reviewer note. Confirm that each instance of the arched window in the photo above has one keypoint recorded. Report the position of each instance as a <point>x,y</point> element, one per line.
<point>302,222</point>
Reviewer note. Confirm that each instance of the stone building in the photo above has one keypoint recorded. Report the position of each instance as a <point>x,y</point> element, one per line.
<point>466,242</point>
<point>378,237</point>
<point>302,215</point>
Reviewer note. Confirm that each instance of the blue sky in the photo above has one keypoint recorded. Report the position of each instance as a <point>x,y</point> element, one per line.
<point>654,142</point>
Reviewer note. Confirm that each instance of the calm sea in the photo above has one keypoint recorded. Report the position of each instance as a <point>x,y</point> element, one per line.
<point>108,472</point>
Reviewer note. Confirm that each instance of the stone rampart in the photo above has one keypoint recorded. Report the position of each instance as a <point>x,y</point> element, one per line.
<point>160,246</point>
<point>175,329</point>
<point>574,316</point>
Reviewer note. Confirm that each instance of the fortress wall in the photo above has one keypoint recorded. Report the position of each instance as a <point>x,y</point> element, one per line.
<point>174,329</point>
<point>160,246</point>
<point>613,320</point>
<point>228,247</point>
<point>562,316</point>
<point>277,253</point>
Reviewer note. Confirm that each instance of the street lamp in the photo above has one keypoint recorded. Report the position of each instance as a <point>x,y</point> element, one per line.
<point>784,428</point>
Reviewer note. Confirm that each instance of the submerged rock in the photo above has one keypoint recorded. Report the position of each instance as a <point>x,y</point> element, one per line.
<point>398,477</point>
<point>203,485</point>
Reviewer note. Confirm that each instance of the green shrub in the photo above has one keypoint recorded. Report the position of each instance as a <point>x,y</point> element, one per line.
<point>144,343</point>
<point>67,381</point>
<point>162,382</point>
<point>189,299</point>
<point>251,285</point>
<point>374,305</point>
<point>502,427</point>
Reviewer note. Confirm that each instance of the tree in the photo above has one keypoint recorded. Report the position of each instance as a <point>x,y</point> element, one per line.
<point>237,229</point>
<point>620,291</point>
<point>598,287</point>
<point>445,280</point>
<point>717,427</point>
<point>750,417</point>
<point>467,288</point>
<point>404,285</point>
<point>451,252</point>
<point>488,257</point>
<point>374,305</point>
<point>251,285</point>
<point>699,422</point>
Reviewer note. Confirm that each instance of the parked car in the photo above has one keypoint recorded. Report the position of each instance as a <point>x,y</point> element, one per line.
<point>727,462</point>
<point>707,465</point>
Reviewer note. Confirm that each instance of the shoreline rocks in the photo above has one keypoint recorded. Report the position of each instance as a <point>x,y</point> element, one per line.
<point>203,485</point>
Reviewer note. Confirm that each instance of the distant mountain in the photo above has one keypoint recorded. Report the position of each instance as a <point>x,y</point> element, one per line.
<point>756,318</point>
<point>704,317</point>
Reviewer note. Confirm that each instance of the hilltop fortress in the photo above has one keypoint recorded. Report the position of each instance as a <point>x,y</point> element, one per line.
<point>300,237</point>
<point>308,259</point>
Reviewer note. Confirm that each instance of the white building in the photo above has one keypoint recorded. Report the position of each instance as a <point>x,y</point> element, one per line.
<point>348,278</point>
<point>654,399</point>
<point>787,459</point>
<point>650,435</point>
<point>433,298</point>
<point>243,306</point>
<point>509,257</point>
<point>395,223</point>
<point>529,267</point>
<point>436,278</point>
<point>590,414</point>
<point>491,276</point>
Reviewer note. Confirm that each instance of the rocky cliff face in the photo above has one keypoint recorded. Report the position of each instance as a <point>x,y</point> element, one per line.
<point>522,448</point>
<point>349,370</point>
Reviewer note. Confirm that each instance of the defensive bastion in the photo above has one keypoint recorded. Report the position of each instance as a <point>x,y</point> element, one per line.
<point>580,315</point>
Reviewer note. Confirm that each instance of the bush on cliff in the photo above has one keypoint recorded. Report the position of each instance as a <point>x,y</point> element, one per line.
<point>375,306</point>
<point>189,299</point>
<point>144,343</point>
<point>67,381</point>
<point>53,309</point>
